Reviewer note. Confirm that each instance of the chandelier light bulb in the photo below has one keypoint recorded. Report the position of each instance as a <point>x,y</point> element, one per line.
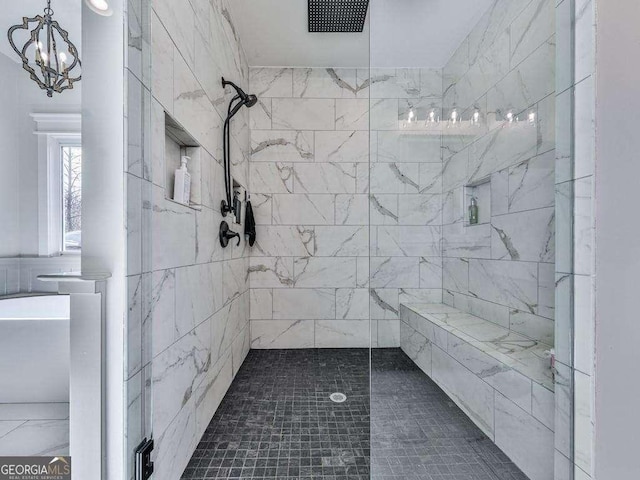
<point>63,61</point>
<point>38,50</point>
<point>412,115</point>
<point>532,118</point>
<point>510,116</point>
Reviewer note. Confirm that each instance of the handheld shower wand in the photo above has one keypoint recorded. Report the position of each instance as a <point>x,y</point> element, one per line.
<point>237,102</point>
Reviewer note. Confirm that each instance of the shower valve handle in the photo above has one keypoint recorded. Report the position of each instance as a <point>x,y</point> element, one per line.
<point>226,234</point>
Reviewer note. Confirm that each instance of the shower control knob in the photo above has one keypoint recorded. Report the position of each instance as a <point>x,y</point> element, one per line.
<point>226,234</point>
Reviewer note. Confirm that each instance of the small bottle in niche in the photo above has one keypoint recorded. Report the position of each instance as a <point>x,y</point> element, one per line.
<point>473,212</point>
<point>182,183</point>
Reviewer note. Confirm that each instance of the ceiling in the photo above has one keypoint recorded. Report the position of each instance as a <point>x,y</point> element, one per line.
<point>398,33</point>
<point>274,33</point>
<point>421,33</point>
<point>66,12</point>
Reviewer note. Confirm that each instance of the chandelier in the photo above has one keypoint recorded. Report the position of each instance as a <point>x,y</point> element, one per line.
<point>49,56</point>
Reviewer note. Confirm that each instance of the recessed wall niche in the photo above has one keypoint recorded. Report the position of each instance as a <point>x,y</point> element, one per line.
<point>179,143</point>
<point>481,191</point>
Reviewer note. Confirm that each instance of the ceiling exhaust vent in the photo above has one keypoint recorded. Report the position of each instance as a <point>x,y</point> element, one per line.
<point>337,16</point>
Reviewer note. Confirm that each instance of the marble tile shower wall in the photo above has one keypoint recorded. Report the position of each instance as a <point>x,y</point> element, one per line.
<point>311,181</point>
<point>188,318</point>
<point>575,272</point>
<point>503,268</point>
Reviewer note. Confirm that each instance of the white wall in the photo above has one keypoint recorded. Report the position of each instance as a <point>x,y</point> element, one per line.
<point>19,97</point>
<point>103,249</point>
<point>9,246</point>
<point>617,414</point>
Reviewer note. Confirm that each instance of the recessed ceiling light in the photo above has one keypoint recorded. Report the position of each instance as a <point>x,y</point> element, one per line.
<point>101,7</point>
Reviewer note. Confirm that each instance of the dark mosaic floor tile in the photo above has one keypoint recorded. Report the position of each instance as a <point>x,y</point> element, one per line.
<point>277,422</point>
<point>418,432</point>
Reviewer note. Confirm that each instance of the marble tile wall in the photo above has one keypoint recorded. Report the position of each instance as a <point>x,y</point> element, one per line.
<point>575,274</point>
<point>317,223</point>
<point>406,195</point>
<point>309,160</point>
<point>188,318</point>
<point>503,268</point>
<point>34,429</point>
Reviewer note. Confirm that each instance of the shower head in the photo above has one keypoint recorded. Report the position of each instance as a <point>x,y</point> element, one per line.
<point>337,16</point>
<point>251,101</point>
<point>248,100</point>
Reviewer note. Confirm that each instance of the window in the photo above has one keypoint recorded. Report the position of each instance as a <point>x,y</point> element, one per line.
<point>59,183</point>
<point>71,157</point>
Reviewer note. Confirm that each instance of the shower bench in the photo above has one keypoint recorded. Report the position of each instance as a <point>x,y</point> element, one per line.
<point>502,380</point>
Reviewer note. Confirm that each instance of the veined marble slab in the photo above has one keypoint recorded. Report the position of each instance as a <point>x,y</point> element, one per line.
<point>282,146</point>
<point>342,146</point>
<point>271,177</point>
<point>387,333</point>
<point>525,440</point>
<point>34,437</point>
<point>303,113</point>
<point>351,114</point>
<point>520,353</point>
<point>324,82</point>
<point>342,333</point>
<point>325,178</point>
<point>431,273</point>
<point>516,287</point>
<point>394,83</point>
<point>341,241</point>
<point>524,236</point>
<point>304,304</point>
<point>408,147</point>
<point>384,303</point>
<point>417,347</point>
<point>408,241</point>
<point>420,209</point>
<point>352,209</point>
<point>352,303</point>
<point>284,241</point>
<point>271,272</point>
<point>474,396</point>
<point>261,301</point>
<point>395,178</point>
<point>325,272</point>
<point>282,334</point>
<point>271,82</point>
<point>395,272</point>
<point>304,209</point>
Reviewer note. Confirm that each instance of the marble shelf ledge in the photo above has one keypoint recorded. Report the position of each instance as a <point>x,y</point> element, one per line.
<point>75,277</point>
<point>523,354</point>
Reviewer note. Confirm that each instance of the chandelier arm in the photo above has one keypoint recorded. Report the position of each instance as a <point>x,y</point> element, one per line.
<point>72,48</point>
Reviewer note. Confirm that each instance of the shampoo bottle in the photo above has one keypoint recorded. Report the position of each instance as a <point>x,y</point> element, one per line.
<point>182,183</point>
<point>473,211</point>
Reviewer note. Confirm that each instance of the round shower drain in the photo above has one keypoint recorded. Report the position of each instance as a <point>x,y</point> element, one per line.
<point>338,397</point>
